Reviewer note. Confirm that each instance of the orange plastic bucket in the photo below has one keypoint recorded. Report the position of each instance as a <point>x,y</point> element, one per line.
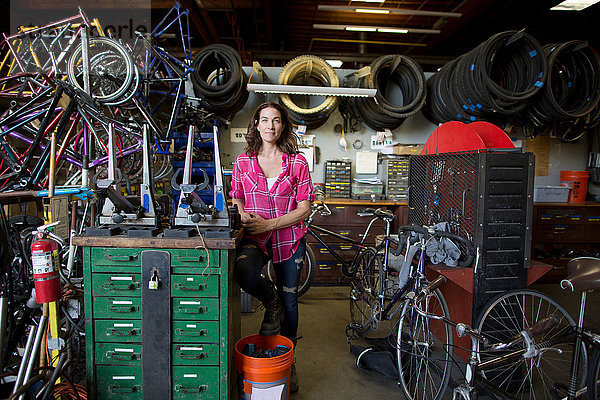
<point>269,376</point>
<point>578,181</point>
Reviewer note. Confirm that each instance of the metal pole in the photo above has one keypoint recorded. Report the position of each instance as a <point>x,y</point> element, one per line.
<point>25,358</point>
<point>3,316</point>
<point>36,345</point>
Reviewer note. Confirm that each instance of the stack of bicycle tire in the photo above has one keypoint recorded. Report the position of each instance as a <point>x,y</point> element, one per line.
<point>219,80</point>
<point>391,75</point>
<point>310,71</point>
<point>496,78</point>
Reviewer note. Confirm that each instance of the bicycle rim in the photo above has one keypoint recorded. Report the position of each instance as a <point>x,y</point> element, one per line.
<point>424,350</point>
<point>544,376</point>
<point>364,299</point>
<point>593,383</point>
<point>111,69</point>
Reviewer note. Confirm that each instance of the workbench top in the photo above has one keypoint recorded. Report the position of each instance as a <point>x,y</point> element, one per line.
<point>158,242</point>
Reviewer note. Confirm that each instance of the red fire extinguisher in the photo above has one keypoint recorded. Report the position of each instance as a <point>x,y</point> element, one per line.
<point>44,258</point>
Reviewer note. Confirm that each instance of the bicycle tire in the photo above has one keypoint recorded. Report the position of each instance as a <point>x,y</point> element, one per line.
<point>504,318</point>
<point>424,349</point>
<point>111,69</point>
<point>593,380</point>
<point>364,289</point>
<point>306,276</point>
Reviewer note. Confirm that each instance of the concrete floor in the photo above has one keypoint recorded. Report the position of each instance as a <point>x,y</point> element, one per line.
<point>326,368</point>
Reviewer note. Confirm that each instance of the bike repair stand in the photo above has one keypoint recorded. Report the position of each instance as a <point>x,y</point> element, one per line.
<point>192,214</point>
<point>137,221</point>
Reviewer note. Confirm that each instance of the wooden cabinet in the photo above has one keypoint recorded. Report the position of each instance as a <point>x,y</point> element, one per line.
<point>346,220</point>
<point>562,232</point>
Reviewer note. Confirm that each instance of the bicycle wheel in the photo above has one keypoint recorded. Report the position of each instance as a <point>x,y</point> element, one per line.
<point>593,381</point>
<point>306,276</point>
<point>364,289</point>
<point>424,349</point>
<point>539,377</point>
<point>111,69</point>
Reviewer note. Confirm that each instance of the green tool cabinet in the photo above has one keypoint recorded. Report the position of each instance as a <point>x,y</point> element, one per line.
<point>204,320</point>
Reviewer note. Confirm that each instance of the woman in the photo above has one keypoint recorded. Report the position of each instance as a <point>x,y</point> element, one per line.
<point>272,189</point>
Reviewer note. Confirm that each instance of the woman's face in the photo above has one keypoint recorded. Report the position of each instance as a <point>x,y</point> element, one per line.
<point>270,125</point>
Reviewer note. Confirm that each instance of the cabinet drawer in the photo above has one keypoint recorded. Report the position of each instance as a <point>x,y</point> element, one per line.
<point>119,354</point>
<point>106,258</point>
<point>118,331</point>
<point>195,309</point>
<point>559,233</point>
<point>328,268</point>
<point>118,307</point>
<point>116,285</point>
<point>559,216</point>
<point>195,354</point>
<point>194,332</point>
<point>345,250</point>
<point>119,382</point>
<point>194,258</point>
<point>195,383</point>
<point>195,285</point>
<point>337,217</point>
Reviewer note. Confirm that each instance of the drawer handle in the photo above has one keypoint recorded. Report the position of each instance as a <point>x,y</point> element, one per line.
<point>122,332</point>
<point>324,268</point>
<point>130,257</point>
<point>201,332</point>
<point>190,259</point>
<point>125,309</point>
<point>198,287</point>
<point>119,389</point>
<point>184,356</point>
<point>120,286</point>
<point>193,310</point>
<point>183,389</point>
<point>114,355</point>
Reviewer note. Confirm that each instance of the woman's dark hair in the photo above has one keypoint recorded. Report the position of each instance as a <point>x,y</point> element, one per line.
<point>287,142</point>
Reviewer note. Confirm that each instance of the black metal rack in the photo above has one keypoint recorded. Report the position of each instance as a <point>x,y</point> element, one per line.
<point>486,196</point>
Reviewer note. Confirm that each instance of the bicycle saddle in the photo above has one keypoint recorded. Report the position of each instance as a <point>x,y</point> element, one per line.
<point>380,213</point>
<point>583,274</point>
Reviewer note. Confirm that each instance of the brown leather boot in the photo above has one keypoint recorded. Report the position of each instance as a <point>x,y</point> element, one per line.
<point>294,385</point>
<point>271,324</point>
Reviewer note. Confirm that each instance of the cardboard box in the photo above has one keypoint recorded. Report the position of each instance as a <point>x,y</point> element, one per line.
<point>407,150</point>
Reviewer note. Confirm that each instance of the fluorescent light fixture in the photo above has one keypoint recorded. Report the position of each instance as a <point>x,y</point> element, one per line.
<point>574,5</point>
<point>334,63</point>
<point>382,29</point>
<point>311,90</point>
<point>400,11</point>
<point>369,1</point>
<point>361,28</point>
<point>392,30</point>
<point>372,10</point>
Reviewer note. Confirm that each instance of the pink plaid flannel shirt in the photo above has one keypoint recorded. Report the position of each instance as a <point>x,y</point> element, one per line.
<point>293,185</point>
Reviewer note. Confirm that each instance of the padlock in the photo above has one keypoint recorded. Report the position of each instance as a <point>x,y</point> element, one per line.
<point>153,283</point>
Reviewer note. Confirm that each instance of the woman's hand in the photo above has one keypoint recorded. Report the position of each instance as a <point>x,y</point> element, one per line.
<point>257,224</point>
<point>245,217</point>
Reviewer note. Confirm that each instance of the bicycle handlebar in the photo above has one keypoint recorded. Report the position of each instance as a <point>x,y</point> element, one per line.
<point>429,232</point>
